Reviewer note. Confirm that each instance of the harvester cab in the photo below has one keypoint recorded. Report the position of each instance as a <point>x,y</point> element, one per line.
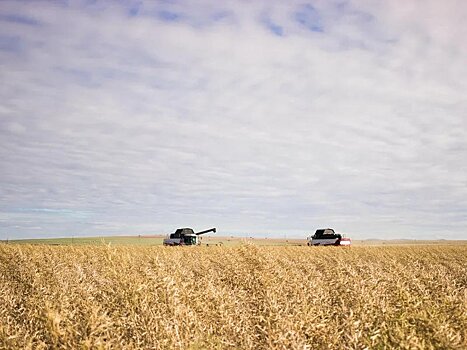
<point>185,236</point>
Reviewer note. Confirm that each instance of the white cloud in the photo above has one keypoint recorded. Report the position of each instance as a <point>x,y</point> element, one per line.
<point>170,114</point>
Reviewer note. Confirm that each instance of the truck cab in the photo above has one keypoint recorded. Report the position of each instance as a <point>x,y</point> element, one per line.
<point>326,237</point>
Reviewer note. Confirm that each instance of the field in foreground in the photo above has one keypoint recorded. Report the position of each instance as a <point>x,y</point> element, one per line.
<point>246,296</point>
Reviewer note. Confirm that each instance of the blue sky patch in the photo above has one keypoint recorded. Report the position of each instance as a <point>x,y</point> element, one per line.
<point>10,43</point>
<point>310,18</point>
<point>169,16</point>
<point>19,19</point>
<point>220,16</point>
<point>275,28</point>
<point>70,213</point>
<point>134,9</point>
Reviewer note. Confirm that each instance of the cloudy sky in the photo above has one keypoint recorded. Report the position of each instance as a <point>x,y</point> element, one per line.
<point>256,117</point>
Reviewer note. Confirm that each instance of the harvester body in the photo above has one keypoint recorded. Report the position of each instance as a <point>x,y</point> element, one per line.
<point>185,236</point>
<point>326,237</point>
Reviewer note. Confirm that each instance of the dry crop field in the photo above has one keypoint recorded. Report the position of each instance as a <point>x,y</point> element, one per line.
<point>244,297</point>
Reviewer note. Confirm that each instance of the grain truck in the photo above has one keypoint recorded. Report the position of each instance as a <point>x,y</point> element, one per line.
<point>327,236</point>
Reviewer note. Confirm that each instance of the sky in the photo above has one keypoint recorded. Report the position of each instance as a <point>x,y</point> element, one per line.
<point>260,118</point>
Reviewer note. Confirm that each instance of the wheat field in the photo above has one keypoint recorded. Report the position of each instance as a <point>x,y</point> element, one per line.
<point>245,297</point>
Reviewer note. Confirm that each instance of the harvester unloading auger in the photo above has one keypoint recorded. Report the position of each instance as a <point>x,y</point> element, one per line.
<point>185,236</point>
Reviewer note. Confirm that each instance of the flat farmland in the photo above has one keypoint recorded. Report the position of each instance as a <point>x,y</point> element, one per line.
<point>155,240</point>
<point>244,296</point>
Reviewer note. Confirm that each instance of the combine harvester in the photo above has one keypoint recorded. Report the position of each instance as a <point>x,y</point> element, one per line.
<point>327,236</point>
<point>185,236</point>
